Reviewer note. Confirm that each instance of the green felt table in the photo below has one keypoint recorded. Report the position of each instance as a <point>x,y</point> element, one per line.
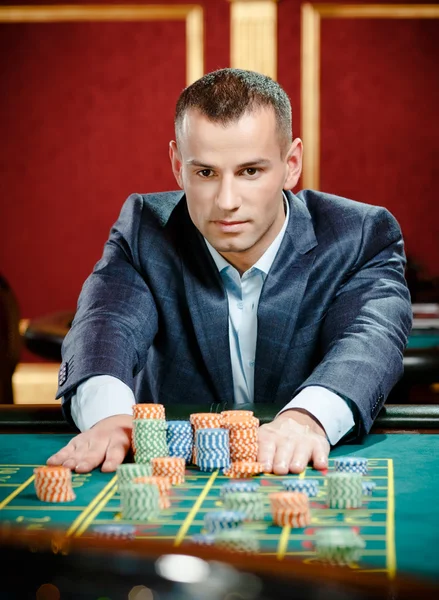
<point>399,523</point>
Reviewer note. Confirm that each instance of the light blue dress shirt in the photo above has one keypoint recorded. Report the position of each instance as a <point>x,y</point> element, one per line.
<point>103,396</point>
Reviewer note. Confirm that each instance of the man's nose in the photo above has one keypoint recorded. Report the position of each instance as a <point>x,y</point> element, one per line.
<point>227,197</point>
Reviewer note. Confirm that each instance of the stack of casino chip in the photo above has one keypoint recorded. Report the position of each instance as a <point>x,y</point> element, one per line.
<point>344,490</point>
<point>170,466</point>
<point>148,411</point>
<point>310,487</point>
<point>290,508</point>
<point>250,503</point>
<point>239,486</point>
<point>164,486</point>
<point>129,471</point>
<point>243,429</point>
<point>368,487</point>
<point>180,439</point>
<point>149,439</point>
<point>217,520</point>
<point>139,501</point>
<point>117,531</point>
<point>238,540</point>
<point>351,464</point>
<point>212,449</point>
<point>54,484</point>
<point>340,546</point>
<point>243,469</point>
<point>204,421</point>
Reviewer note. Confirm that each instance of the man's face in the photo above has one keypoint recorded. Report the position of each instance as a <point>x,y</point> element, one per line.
<point>233,178</point>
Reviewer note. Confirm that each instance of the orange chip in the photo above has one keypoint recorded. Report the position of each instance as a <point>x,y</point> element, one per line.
<point>148,411</point>
<point>281,500</point>
<point>285,517</point>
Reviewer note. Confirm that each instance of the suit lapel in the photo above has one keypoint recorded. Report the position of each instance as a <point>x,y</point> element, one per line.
<point>281,297</point>
<point>208,306</point>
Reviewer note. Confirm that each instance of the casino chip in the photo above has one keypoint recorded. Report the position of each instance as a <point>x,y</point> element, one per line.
<point>368,487</point>
<point>242,469</point>
<point>239,486</point>
<point>115,531</point>
<point>139,501</point>
<point>290,508</point>
<point>170,466</point>
<point>238,540</point>
<point>149,439</point>
<point>218,520</point>
<point>344,490</point>
<point>310,487</point>
<point>126,472</point>
<point>351,464</point>
<point>338,546</point>
<point>180,439</point>
<point>212,449</point>
<point>250,503</point>
<point>243,428</point>
<point>203,539</point>
<point>54,484</point>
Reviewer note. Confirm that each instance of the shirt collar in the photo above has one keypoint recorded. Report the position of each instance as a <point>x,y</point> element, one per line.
<point>267,259</point>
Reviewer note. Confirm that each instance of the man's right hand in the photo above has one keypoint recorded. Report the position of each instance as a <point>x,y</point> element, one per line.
<point>106,443</point>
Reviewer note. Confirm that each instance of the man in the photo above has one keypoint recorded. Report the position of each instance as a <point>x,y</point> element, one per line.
<point>238,291</point>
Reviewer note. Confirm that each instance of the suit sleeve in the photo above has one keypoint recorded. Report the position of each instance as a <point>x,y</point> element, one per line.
<point>116,319</point>
<point>365,330</point>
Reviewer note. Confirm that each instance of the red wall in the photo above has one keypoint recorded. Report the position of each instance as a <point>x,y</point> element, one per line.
<point>86,114</point>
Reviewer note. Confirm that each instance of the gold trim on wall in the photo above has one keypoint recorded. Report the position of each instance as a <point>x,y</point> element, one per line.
<point>253,35</point>
<point>312,14</point>
<point>192,14</point>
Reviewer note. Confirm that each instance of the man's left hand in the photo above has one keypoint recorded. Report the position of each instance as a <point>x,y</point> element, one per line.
<point>292,440</point>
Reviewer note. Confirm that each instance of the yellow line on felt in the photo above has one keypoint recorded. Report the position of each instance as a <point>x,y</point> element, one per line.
<point>187,522</point>
<point>390,529</point>
<point>96,511</point>
<point>286,530</point>
<point>80,518</point>
<point>6,501</point>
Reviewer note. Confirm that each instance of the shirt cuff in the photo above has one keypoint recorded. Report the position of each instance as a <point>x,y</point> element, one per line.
<point>100,397</point>
<point>330,409</point>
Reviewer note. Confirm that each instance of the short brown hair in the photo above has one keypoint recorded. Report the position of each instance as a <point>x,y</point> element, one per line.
<point>224,96</point>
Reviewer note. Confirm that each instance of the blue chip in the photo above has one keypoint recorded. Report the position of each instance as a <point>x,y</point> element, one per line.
<point>368,487</point>
<point>115,531</point>
<point>310,487</point>
<point>223,519</point>
<point>203,539</point>
<point>239,486</point>
<point>351,464</point>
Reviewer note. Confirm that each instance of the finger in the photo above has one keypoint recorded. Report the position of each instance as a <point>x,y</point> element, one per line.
<point>115,455</point>
<point>92,455</point>
<point>284,453</point>
<point>302,454</point>
<point>320,455</point>
<point>266,452</point>
<point>64,454</point>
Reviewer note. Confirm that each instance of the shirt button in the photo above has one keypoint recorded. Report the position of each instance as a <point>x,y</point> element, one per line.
<point>251,363</point>
<point>239,304</point>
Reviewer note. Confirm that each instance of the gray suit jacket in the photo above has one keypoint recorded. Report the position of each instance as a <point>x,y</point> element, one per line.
<point>334,310</point>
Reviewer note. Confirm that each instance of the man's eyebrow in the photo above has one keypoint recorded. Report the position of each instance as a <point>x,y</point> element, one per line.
<point>262,162</point>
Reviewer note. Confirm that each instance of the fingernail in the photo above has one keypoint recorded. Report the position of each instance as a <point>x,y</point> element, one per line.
<point>298,465</point>
<point>81,466</point>
<point>267,466</point>
<point>323,460</point>
<point>282,465</point>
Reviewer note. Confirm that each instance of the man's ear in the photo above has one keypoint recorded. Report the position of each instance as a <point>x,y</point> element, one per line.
<point>176,163</point>
<point>293,164</point>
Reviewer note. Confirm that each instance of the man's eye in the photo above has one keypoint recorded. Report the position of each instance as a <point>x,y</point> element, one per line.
<point>205,173</point>
<point>251,171</point>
